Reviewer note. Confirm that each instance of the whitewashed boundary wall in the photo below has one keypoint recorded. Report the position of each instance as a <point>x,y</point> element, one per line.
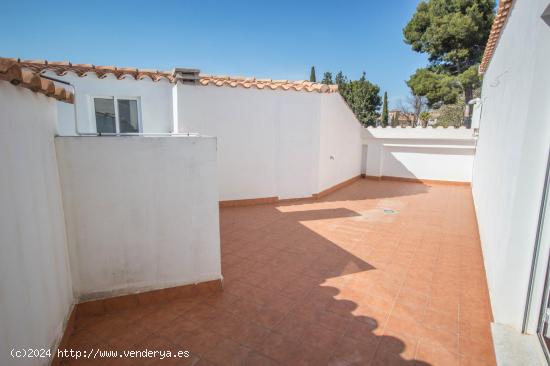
<point>36,294</point>
<point>141,212</point>
<point>441,154</point>
<point>274,143</point>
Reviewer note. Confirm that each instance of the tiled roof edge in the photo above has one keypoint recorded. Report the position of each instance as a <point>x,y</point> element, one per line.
<point>62,68</point>
<point>12,71</point>
<point>503,12</point>
<point>248,82</point>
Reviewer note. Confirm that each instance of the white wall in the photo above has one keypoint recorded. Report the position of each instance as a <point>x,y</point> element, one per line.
<point>340,151</point>
<point>511,157</point>
<point>267,139</point>
<point>271,141</point>
<point>155,101</point>
<point>35,285</point>
<point>141,212</point>
<point>420,153</point>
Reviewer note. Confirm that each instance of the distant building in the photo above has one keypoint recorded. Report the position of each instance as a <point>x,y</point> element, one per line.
<point>401,118</point>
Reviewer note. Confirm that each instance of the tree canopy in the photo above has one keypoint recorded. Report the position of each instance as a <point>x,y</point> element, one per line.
<point>362,96</point>
<point>327,78</point>
<point>453,34</point>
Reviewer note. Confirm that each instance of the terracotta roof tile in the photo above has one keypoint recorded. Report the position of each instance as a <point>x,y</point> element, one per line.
<point>503,12</point>
<point>63,67</point>
<point>262,83</point>
<point>12,71</point>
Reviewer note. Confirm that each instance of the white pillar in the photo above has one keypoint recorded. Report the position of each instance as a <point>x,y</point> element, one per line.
<point>175,108</point>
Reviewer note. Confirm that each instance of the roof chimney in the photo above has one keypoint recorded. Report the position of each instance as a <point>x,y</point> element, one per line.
<point>186,76</point>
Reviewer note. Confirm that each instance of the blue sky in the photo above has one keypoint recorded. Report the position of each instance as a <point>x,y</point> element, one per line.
<point>273,39</point>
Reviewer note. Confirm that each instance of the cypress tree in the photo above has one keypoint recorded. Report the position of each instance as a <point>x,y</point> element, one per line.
<point>385,110</point>
<point>312,75</point>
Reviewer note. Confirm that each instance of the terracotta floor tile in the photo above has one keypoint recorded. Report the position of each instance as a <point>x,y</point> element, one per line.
<point>354,351</point>
<point>363,330</point>
<point>333,281</point>
<point>434,355</point>
<point>310,356</point>
<point>441,321</point>
<point>157,320</point>
<point>471,361</point>
<point>267,318</point>
<point>132,335</point>
<point>390,359</point>
<point>399,344</point>
<point>480,349</point>
<point>177,328</point>
<point>108,327</point>
<point>440,339</point>
<point>251,335</point>
<point>228,352</point>
<point>280,348</point>
<point>257,359</point>
<point>82,339</point>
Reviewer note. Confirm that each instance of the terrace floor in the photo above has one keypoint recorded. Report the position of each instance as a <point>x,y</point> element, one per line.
<point>377,273</point>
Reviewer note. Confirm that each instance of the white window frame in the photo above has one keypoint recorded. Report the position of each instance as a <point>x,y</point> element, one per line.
<point>117,120</point>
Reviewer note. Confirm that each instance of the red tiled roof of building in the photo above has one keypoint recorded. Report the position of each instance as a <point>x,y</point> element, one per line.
<point>267,83</point>
<point>504,8</point>
<point>15,73</point>
<point>62,68</point>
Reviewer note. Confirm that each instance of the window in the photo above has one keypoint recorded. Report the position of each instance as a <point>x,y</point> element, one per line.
<point>114,115</point>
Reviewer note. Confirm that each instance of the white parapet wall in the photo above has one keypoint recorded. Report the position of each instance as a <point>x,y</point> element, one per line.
<point>441,154</point>
<point>141,212</point>
<point>35,283</point>
<point>274,143</point>
<point>339,143</point>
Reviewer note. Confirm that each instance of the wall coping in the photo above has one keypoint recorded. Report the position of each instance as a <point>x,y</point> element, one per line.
<point>461,128</point>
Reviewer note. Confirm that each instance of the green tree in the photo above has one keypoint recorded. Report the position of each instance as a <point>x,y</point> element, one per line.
<point>450,115</point>
<point>340,79</point>
<point>312,76</point>
<point>327,78</point>
<point>363,97</point>
<point>384,117</point>
<point>453,34</point>
<point>424,117</point>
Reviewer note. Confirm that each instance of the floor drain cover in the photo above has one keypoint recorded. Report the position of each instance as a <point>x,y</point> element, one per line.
<point>389,211</point>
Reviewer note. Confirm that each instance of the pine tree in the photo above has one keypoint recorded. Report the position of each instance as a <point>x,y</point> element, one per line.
<point>453,35</point>
<point>385,110</point>
<point>327,78</point>
<point>312,75</point>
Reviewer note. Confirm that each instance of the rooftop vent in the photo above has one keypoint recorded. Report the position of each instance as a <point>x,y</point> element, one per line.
<point>186,76</point>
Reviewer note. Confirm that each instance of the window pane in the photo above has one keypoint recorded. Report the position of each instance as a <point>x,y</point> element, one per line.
<point>104,115</point>
<point>128,115</point>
